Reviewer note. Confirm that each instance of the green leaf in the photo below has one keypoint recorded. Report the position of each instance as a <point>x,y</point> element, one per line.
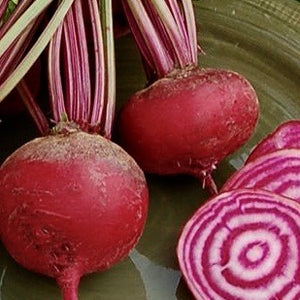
<point>10,8</point>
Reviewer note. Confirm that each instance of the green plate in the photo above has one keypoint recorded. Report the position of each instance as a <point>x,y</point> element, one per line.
<point>258,38</point>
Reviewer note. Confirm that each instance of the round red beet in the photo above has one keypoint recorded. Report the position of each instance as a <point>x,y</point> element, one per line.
<point>189,122</point>
<point>70,205</point>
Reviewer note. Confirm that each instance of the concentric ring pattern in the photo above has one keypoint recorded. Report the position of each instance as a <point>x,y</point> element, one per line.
<point>243,244</point>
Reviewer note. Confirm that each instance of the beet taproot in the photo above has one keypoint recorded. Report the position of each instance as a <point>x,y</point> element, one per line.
<point>187,124</point>
<point>70,205</point>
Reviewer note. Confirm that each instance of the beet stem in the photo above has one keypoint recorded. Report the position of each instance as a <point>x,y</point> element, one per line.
<point>165,32</point>
<point>34,110</point>
<point>73,78</point>
<point>98,101</point>
<point>41,43</point>
<point>178,41</point>
<point>109,55</point>
<point>147,38</point>
<point>85,99</point>
<point>15,52</point>
<point>3,7</point>
<point>54,78</point>
<point>179,20</point>
<point>191,30</point>
<point>12,55</point>
<point>75,101</point>
<point>25,19</point>
<point>19,9</point>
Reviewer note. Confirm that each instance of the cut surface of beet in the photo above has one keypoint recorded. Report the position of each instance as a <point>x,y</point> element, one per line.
<point>242,244</point>
<point>278,172</point>
<point>286,135</point>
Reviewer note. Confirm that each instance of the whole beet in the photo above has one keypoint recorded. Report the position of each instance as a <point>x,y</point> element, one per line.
<point>70,205</point>
<point>188,122</point>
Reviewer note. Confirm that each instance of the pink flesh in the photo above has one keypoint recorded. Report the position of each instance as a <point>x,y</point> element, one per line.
<point>242,244</point>
<point>278,172</point>
<point>188,123</point>
<point>286,135</point>
<point>71,205</point>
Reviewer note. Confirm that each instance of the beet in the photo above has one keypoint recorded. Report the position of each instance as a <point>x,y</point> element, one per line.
<point>243,244</point>
<point>286,135</point>
<point>70,205</point>
<point>278,172</point>
<point>188,124</point>
<point>188,118</point>
<point>73,202</point>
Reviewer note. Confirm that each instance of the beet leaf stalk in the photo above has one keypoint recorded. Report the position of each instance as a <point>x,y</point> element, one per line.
<point>15,52</point>
<point>165,33</point>
<point>16,57</point>
<point>83,200</point>
<point>188,118</point>
<point>16,29</point>
<point>3,8</point>
<point>85,93</point>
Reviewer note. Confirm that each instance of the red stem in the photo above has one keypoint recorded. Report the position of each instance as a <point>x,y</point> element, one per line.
<point>12,56</point>
<point>98,101</point>
<point>180,21</point>
<point>55,81</point>
<point>74,99</point>
<point>73,78</point>
<point>20,8</point>
<point>14,53</point>
<point>85,99</point>
<point>149,41</point>
<point>177,40</point>
<point>188,11</point>
<point>3,6</point>
<point>167,26</point>
<point>34,110</point>
<point>110,76</point>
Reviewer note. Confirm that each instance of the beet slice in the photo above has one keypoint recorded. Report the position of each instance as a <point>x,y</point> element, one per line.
<point>286,135</point>
<point>278,172</point>
<point>243,244</point>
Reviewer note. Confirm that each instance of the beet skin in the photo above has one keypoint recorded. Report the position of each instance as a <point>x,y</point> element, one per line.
<point>189,122</point>
<point>70,205</point>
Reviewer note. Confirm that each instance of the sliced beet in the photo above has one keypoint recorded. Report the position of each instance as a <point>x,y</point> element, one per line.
<point>286,135</point>
<point>278,172</point>
<point>242,244</point>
